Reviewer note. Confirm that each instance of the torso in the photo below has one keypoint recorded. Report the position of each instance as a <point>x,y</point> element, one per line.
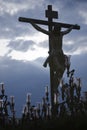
<point>56,42</point>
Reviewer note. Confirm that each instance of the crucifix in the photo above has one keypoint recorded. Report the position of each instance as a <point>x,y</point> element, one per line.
<point>56,58</point>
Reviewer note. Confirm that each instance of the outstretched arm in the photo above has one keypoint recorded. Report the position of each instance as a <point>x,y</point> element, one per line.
<point>39,28</point>
<point>67,31</point>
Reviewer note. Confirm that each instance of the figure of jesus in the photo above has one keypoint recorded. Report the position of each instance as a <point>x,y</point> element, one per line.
<point>56,55</point>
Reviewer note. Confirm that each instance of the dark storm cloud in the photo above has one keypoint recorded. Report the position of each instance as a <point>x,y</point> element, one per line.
<point>21,45</point>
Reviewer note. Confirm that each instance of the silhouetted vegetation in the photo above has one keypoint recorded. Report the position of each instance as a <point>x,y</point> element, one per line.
<point>70,109</point>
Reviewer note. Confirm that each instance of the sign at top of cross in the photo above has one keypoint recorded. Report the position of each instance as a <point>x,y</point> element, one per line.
<point>51,14</point>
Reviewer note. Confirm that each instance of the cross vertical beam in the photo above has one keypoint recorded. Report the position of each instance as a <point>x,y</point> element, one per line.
<point>50,15</point>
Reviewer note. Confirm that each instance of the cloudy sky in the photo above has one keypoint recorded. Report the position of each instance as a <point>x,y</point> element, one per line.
<point>23,49</point>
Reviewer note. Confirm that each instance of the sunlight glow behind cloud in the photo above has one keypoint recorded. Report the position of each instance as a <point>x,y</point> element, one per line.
<point>37,37</point>
<point>3,48</point>
<point>29,55</point>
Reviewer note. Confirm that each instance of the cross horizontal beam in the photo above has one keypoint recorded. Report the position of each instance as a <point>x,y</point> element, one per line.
<point>64,25</point>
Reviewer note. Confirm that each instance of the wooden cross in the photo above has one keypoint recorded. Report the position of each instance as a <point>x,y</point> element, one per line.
<point>50,14</point>
<point>43,22</point>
